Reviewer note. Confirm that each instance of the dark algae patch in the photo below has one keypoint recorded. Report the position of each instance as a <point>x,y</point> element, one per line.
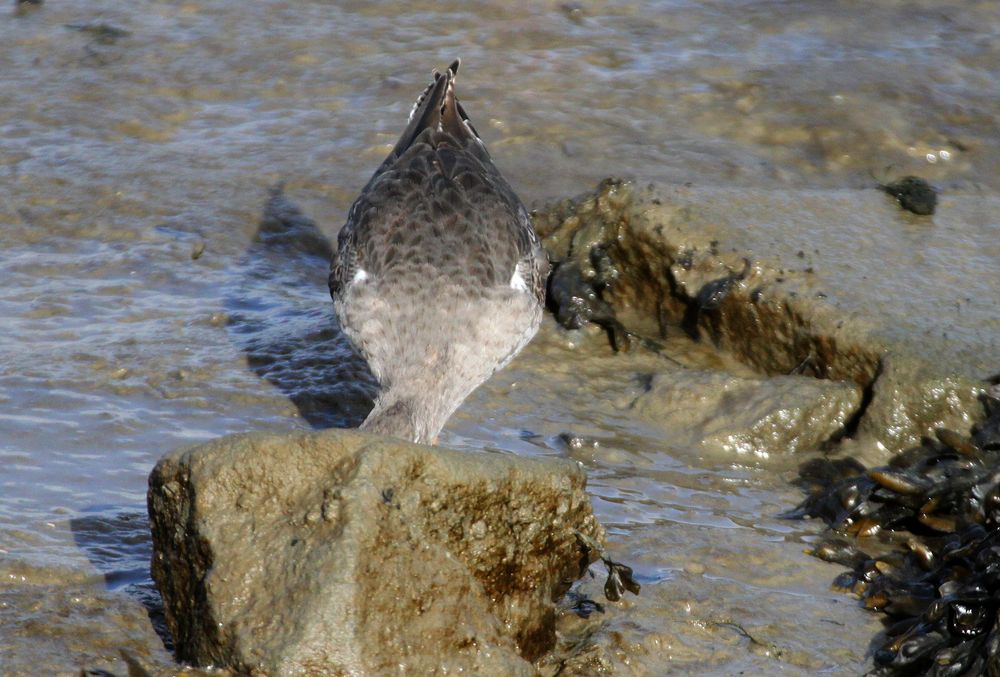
<point>913,194</point>
<point>710,298</point>
<point>104,34</point>
<point>934,570</point>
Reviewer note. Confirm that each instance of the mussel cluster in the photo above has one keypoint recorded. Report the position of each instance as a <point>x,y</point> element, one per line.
<point>935,567</point>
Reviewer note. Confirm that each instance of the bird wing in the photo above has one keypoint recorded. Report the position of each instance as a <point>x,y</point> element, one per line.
<point>438,202</point>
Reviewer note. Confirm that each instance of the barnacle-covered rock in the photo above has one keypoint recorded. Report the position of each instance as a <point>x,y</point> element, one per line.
<point>346,553</point>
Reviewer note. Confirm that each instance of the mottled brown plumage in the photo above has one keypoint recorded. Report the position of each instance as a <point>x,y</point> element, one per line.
<point>438,278</point>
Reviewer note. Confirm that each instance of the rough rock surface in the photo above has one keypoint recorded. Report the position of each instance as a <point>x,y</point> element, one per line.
<point>900,416</point>
<point>671,271</point>
<point>653,263</point>
<point>748,416</point>
<point>345,553</point>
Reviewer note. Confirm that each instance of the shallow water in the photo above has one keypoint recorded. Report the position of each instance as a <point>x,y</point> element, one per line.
<point>141,309</point>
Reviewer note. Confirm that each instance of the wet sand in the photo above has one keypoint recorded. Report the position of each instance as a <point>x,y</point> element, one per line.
<point>142,309</point>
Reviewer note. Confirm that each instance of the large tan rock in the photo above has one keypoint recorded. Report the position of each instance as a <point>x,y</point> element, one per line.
<point>346,553</point>
<point>760,417</point>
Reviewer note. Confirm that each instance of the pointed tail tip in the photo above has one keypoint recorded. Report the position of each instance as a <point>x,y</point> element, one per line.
<point>437,107</point>
<point>452,70</point>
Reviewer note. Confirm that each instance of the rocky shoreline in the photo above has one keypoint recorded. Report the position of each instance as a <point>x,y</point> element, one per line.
<point>250,549</point>
<point>638,269</point>
<point>648,265</point>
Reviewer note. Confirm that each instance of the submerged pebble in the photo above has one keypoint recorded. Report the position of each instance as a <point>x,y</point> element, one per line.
<point>104,34</point>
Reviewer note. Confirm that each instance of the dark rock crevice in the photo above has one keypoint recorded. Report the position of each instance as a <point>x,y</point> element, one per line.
<point>867,395</point>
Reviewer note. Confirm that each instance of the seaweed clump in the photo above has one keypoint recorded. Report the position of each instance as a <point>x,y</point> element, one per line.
<point>620,576</point>
<point>583,269</point>
<point>935,569</point>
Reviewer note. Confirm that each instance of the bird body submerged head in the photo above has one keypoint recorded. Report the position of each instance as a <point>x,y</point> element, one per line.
<point>439,277</point>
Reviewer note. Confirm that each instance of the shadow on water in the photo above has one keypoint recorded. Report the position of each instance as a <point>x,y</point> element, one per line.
<point>281,316</point>
<point>119,546</point>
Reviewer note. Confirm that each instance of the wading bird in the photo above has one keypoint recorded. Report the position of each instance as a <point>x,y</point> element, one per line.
<point>439,277</point>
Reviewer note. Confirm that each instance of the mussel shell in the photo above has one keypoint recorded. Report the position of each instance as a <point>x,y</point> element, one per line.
<point>911,458</point>
<point>845,581</point>
<point>970,616</point>
<point>987,434</point>
<point>922,553</point>
<point>893,516</point>
<point>906,604</point>
<point>958,660</point>
<point>949,589</point>
<point>840,551</point>
<point>935,611</point>
<point>849,497</point>
<point>865,527</point>
<point>959,443</point>
<point>991,505</point>
<point>613,587</point>
<point>911,651</point>
<point>826,472</point>
<point>938,522</point>
<point>900,481</point>
<point>971,541</point>
<point>988,558</point>
<point>953,479</point>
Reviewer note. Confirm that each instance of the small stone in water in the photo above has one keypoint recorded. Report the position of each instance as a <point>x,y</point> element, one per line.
<point>576,441</point>
<point>913,194</point>
<point>694,568</point>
